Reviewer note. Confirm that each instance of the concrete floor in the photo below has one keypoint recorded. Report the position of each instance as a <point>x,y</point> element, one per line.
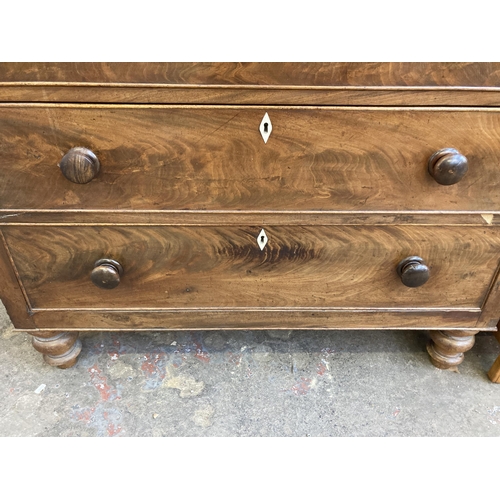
<point>247,383</point>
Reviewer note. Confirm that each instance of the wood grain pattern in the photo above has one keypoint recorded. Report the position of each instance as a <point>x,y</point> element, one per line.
<point>205,319</point>
<point>255,73</point>
<point>186,184</point>
<point>219,218</point>
<point>494,372</point>
<point>79,165</point>
<point>213,158</point>
<point>11,292</point>
<point>58,349</point>
<point>491,305</point>
<point>209,267</point>
<point>446,349</point>
<point>236,94</point>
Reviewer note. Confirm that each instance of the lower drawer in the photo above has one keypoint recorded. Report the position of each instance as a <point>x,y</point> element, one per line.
<point>193,267</point>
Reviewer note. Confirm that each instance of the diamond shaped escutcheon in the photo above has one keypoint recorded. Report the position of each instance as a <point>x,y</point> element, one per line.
<point>262,239</point>
<point>266,127</point>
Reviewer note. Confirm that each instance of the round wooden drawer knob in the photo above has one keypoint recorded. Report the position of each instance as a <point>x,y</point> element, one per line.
<point>448,166</point>
<point>413,271</point>
<point>106,273</point>
<point>79,165</point>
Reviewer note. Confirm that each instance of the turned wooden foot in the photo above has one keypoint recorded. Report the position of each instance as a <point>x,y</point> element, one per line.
<point>494,373</point>
<point>60,349</point>
<point>446,349</point>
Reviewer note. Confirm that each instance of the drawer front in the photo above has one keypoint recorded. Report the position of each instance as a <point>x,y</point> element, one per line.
<point>361,74</point>
<point>207,267</point>
<point>214,158</point>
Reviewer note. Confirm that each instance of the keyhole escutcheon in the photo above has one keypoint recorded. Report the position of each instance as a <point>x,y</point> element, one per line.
<point>266,127</point>
<point>262,239</point>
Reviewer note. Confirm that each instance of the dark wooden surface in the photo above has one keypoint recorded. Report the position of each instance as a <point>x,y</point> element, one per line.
<point>413,271</point>
<point>379,84</point>
<point>186,183</point>
<point>79,165</point>
<point>12,293</point>
<point>446,349</point>
<point>251,73</point>
<point>258,319</point>
<point>81,217</point>
<point>164,158</point>
<point>58,349</point>
<point>248,95</point>
<point>448,166</point>
<point>196,267</point>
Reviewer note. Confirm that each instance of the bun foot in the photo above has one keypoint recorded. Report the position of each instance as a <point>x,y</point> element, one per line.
<point>59,350</point>
<point>447,349</point>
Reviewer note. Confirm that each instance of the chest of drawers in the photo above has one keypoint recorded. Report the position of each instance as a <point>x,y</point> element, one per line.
<point>154,196</point>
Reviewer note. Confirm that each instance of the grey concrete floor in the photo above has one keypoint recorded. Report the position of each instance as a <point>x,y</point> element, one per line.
<point>247,383</point>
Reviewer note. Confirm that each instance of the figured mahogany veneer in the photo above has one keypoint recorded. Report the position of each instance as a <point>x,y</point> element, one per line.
<point>214,158</point>
<point>153,196</point>
<point>209,267</point>
<point>379,84</point>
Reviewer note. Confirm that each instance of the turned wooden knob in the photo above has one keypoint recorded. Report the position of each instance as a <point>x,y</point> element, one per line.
<point>413,271</point>
<point>79,165</point>
<point>106,273</point>
<point>448,166</point>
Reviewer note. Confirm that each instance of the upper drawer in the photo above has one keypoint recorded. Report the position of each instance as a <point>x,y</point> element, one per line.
<point>214,158</point>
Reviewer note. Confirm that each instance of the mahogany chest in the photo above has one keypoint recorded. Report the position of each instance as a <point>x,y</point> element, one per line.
<point>157,196</point>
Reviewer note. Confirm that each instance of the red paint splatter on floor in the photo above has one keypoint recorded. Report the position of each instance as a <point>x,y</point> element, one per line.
<point>321,368</point>
<point>114,352</point>
<point>100,419</point>
<point>302,387</point>
<point>201,354</point>
<point>84,415</point>
<point>150,366</point>
<point>113,431</point>
<point>153,368</point>
<point>100,382</point>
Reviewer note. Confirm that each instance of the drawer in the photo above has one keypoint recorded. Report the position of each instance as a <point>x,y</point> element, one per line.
<point>214,158</point>
<point>197,267</point>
